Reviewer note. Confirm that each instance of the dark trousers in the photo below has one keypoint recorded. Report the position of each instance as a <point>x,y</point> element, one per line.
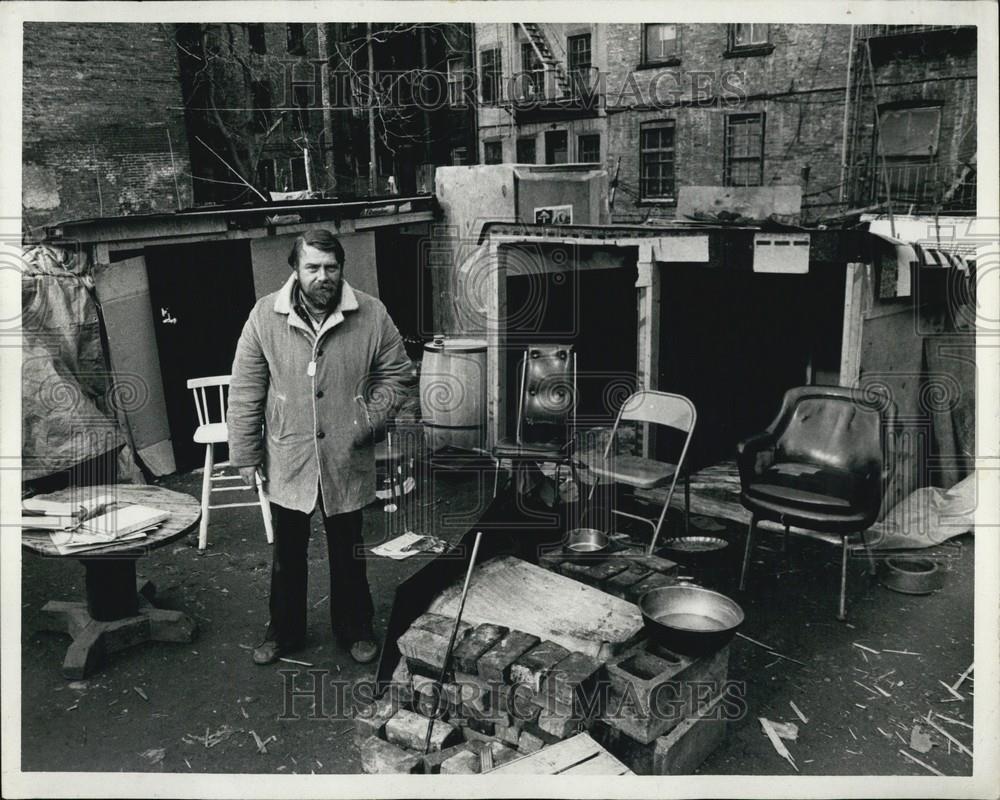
<point>351,607</point>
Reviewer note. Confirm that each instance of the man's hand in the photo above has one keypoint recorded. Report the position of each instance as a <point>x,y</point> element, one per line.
<point>248,473</point>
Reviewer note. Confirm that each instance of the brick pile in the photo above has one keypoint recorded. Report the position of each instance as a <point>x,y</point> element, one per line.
<point>629,575</point>
<point>505,690</point>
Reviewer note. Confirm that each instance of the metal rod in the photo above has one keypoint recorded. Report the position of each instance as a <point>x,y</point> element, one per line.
<point>451,642</point>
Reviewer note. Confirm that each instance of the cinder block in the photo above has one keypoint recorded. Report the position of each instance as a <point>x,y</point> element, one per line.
<point>631,575</point>
<point>559,724</point>
<point>433,760</point>
<point>679,752</point>
<point>651,693</point>
<point>408,729</point>
<point>428,696</point>
<point>508,734</point>
<point>495,665</point>
<point>381,757</point>
<point>425,650</point>
<point>467,654</point>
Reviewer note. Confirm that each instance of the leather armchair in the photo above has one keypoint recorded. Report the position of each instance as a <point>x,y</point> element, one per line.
<point>820,465</point>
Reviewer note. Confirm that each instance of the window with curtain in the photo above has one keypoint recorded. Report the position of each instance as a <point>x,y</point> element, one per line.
<point>578,59</point>
<point>493,152</point>
<point>456,82</point>
<point>661,42</point>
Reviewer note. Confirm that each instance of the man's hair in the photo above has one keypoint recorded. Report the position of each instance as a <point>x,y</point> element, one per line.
<point>321,239</point>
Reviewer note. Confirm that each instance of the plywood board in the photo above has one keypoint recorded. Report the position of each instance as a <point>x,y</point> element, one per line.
<point>509,591</point>
<point>580,755</point>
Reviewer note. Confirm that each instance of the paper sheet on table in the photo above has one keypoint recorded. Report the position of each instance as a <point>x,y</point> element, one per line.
<point>409,544</point>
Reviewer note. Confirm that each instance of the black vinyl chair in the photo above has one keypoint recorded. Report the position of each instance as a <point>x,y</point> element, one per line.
<point>546,410</point>
<point>820,465</point>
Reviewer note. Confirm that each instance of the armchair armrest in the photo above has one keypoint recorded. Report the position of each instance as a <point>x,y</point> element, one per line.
<point>754,455</point>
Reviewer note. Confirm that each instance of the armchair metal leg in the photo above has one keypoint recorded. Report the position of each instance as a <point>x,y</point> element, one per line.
<point>496,477</point>
<point>871,556</point>
<point>842,608</point>
<point>747,552</point>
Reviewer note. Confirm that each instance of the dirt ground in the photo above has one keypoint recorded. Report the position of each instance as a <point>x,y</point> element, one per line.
<point>212,687</point>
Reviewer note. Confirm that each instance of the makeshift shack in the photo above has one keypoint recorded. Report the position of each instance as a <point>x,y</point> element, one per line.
<point>174,291</point>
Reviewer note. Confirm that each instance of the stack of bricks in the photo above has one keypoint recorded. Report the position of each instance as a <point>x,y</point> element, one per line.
<point>628,575</point>
<point>505,690</point>
<point>665,712</point>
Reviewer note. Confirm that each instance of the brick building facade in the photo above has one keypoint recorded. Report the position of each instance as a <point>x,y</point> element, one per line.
<point>103,129</point>
<point>665,105</point>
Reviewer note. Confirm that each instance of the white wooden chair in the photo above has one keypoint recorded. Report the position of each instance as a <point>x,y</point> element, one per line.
<point>211,433</point>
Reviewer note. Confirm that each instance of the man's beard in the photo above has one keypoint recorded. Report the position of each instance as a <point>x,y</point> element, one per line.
<point>323,304</point>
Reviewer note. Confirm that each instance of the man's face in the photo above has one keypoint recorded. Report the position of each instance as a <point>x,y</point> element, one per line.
<point>320,277</point>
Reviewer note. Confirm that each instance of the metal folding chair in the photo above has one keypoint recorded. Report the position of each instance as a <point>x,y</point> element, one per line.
<point>658,408</point>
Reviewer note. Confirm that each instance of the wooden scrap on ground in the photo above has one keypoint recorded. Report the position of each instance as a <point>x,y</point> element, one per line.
<point>956,694</point>
<point>901,652</point>
<point>261,748</point>
<point>141,693</point>
<point>952,721</point>
<point>950,738</point>
<point>961,679</point>
<point>916,760</point>
<point>295,661</point>
<point>867,649</point>
<point>776,742</point>
<point>798,713</point>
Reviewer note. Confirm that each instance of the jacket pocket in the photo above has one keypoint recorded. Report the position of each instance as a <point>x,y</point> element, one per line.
<point>364,433</point>
<point>275,417</point>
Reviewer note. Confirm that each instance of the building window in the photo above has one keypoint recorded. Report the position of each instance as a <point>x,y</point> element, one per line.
<point>295,38</point>
<point>493,152</point>
<point>556,147</point>
<point>255,38</point>
<point>749,39</point>
<point>459,156</point>
<point>656,160</point>
<point>744,144</point>
<point>456,82</point>
<point>588,148</point>
<point>910,133</point>
<point>533,72</point>
<point>661,42</point>
<point>526,150</point>
<point>490,76</point>
<point>578,61</point>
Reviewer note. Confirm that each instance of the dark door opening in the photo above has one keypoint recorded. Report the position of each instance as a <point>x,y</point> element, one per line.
<point>556,147</point>
<point>201,296</point>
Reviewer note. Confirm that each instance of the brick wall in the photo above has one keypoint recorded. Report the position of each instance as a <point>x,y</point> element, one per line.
<point>98,103</point>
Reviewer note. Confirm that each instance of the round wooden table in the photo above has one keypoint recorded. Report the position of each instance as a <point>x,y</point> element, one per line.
<point>118,611</point>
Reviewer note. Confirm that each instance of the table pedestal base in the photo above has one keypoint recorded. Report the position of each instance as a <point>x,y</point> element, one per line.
<point>94,640</point>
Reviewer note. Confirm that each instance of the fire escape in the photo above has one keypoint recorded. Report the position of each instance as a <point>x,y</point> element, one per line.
<point>933,183</point>
<point>549,88</point>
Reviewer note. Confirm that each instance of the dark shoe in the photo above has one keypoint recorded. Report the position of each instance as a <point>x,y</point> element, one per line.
<point>267,653</point>
<point>364,651</point>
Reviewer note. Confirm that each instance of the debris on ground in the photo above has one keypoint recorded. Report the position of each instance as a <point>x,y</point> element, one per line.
<point>154,755</point>
<point>141,693</point>
<point>798,713</point>
<point>211,739</point>
<point>916,760</point>
<point>776,742</point>
<point>920,740</point>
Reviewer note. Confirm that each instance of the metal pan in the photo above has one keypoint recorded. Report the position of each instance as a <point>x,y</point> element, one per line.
<point>689,619</point>
<point>586,541</point>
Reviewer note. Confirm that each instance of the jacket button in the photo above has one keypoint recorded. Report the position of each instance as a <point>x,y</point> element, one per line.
<point>319,393</point>
<point>320,435</point>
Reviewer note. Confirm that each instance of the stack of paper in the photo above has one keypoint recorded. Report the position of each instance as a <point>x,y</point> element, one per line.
<point>124,524</point>
<point>41,514</point>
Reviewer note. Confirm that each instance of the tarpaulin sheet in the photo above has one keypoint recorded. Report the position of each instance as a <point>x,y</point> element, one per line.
<point>65,386</point>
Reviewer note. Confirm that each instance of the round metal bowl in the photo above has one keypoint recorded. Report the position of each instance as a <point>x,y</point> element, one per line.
<point>586,541</point>
<point>689,619</point>
<point>696,544</point>
<point>911,575</point>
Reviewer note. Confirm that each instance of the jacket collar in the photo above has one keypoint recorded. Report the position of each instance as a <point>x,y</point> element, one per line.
<point>283,305</point>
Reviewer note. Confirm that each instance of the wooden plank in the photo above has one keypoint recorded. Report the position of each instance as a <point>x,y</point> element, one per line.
<point>553,759</point>
<point>850,345</point>
<point>521,596</point>
<point>601,764</point>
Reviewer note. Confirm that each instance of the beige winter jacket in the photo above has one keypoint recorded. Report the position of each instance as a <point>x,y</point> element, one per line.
<point>310,406</point>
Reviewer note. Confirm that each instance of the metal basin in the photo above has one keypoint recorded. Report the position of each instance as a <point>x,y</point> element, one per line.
<point>586,541</point>
<point>689,619</point>
<point>911,575</point>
